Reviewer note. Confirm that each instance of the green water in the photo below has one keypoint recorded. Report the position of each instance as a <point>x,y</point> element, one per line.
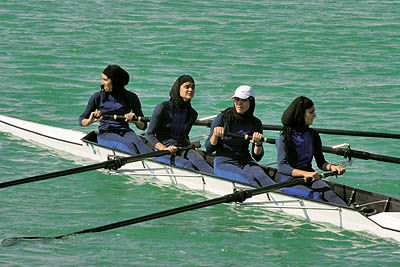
<point>343,54</point>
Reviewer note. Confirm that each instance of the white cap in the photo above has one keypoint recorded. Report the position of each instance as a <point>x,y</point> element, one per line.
<point>244,92</point>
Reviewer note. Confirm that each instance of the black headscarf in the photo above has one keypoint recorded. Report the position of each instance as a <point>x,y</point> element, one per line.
<point>230,115</point>
<point>174,93</point>
<point>119,77</point>
<point>293,119</point>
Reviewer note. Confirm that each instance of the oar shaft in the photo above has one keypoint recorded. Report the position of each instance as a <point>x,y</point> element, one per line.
<point>357,133</point>
<point>207,123</point>
<point>340,132</point>
<point>152,216</point>
<point>360,154</point>
<point>238,196</point>
<point>118,162</point>
<point>200,122</point>
<point>338,151</point>
<point>54,174</point>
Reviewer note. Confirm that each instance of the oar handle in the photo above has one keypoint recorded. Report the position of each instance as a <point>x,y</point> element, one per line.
<point>122,118</point>
<point>249,137</point>
<point>327,174</point>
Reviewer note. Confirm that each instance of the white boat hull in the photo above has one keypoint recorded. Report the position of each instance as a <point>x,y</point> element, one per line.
<point>316,211</point>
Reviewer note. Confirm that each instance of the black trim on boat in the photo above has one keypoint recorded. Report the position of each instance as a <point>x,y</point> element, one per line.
<point>367,202</point>
<point>61,140</point>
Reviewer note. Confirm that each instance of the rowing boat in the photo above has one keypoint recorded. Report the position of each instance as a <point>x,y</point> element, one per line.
<point>368,211</point>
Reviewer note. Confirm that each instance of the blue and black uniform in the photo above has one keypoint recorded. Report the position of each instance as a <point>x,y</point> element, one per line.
<point>170,124</point>
<point>232,158</point>
<point>296,146</point>
<point>112,133</point>
<point>308,145</point>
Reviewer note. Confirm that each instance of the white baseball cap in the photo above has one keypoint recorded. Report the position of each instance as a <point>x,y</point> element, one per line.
<point>244,92</point>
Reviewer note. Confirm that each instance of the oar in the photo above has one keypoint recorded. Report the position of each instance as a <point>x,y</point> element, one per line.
<point>347,152</point>
<point>122,118</point>
<point>249,137</point>
<point>109,164</point>
<point>207,123</point>
<point>203,121</point>
<point>238,196</point>
<point>360,154</point>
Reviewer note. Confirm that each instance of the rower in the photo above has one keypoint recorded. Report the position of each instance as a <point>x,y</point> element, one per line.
<point>114,99</point>
<point>296,147</point>
<point>232,158</point>
<point>171,123</point>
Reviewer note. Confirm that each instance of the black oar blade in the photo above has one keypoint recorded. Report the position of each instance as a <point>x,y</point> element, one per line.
<point>7,242</point>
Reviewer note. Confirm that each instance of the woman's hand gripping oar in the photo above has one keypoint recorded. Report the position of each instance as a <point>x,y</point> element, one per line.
<point>238,196</point>
<point>123,118</point>
<point>109,164</point>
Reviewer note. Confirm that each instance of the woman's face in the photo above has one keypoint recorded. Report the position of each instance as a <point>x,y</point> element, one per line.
<point>309,116</point>
<point>106,83</point>
<point>187,91</point>
<point>241,105</point>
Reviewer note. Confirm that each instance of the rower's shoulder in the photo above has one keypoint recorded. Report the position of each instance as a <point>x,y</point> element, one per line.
<point>194,113</point>
<point>218,120</point>
<point>313,132</point>
<point>257,121</point>
<point>219,117</point>
<point>96,96</point>
<point>161,107</point>
<point>131,94</point>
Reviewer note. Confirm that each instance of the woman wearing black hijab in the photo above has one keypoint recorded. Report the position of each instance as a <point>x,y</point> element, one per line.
<point>114,99</point>
<point>296,147</point>
<point>171,123</point>
<point>232,158</point>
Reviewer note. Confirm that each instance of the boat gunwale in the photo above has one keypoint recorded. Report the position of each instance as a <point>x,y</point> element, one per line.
<point>38,133</point>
